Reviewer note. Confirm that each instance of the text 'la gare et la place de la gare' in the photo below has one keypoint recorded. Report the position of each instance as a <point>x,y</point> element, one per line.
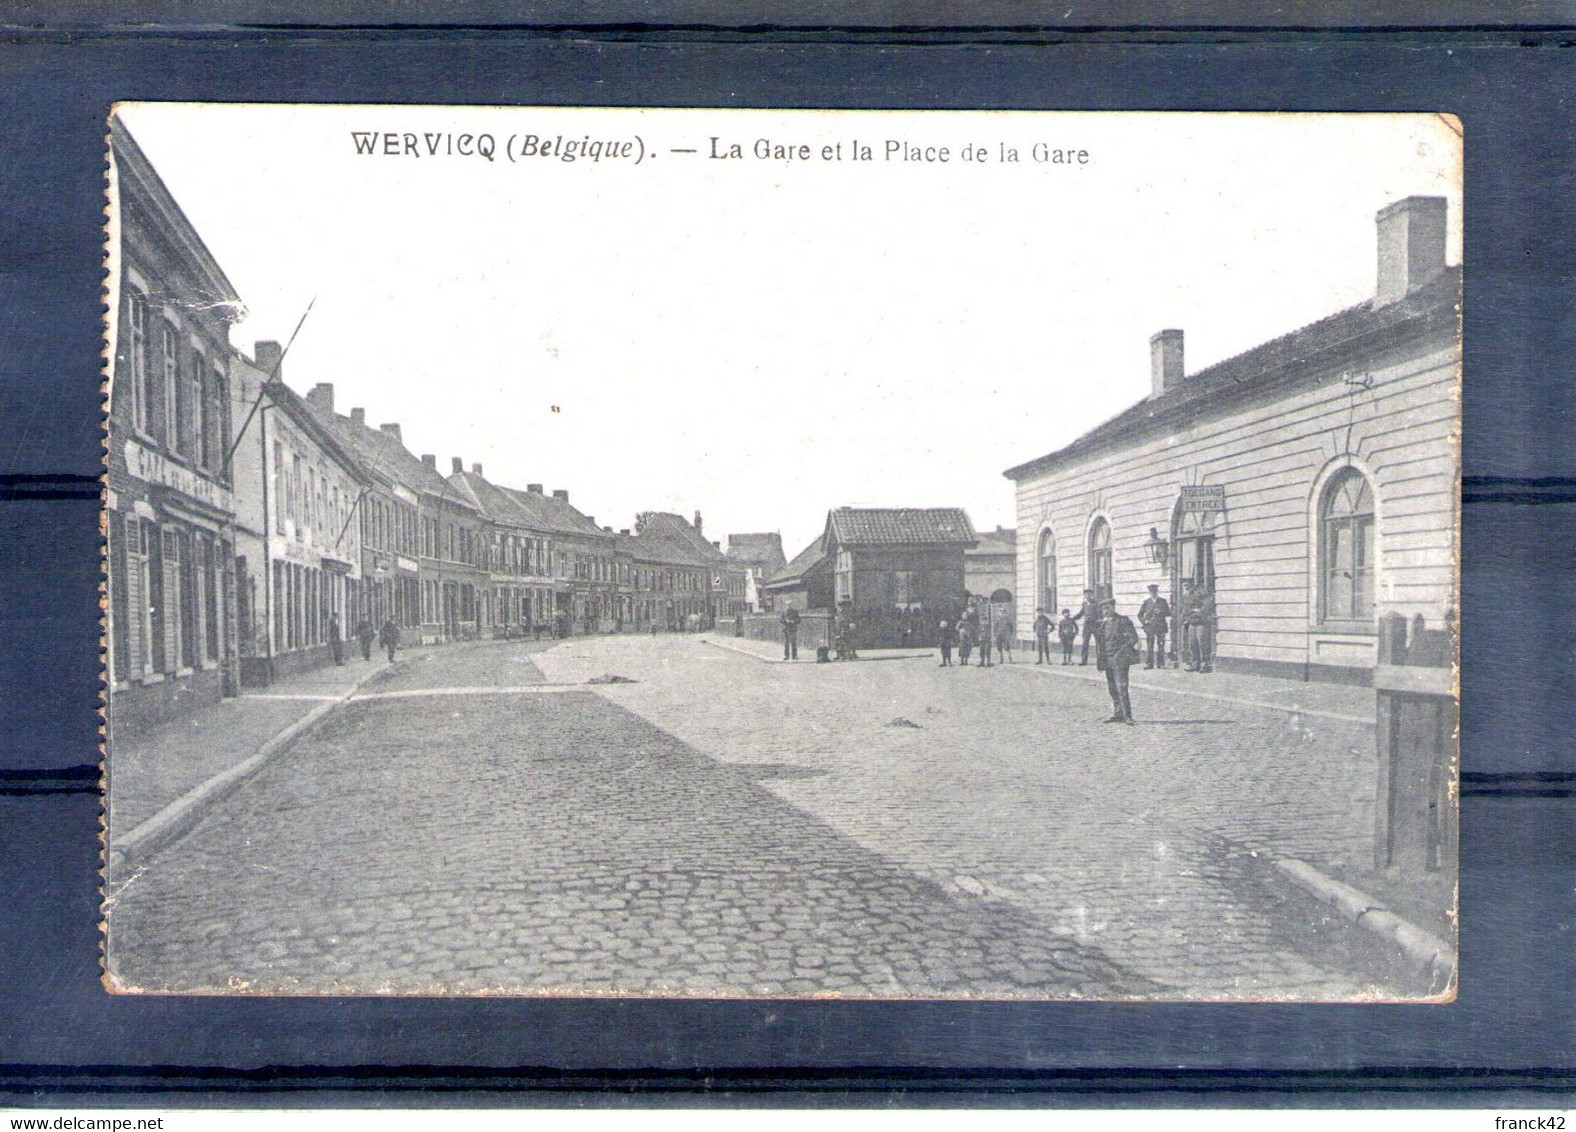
<point>524,147</point>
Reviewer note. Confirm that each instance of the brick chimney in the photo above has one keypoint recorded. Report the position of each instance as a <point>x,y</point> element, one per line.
<point>322,398</point>
<point>393,430</point>
<point>358,417</point>
<point>534,488</point>
<point>457,464</point>
<point>623,530</point>
<point>430,460</point>
<point>1165,361</point>
<point>268,355</point>
<point>1411,247</point>
<point>561,495</point>
<point>698,527</point>
<point>476,469</point>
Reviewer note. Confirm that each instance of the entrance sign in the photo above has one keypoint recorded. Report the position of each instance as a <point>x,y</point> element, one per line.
<point>1208,497</point>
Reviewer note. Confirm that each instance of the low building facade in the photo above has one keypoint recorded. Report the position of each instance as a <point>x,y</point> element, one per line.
<point>1311,484</point>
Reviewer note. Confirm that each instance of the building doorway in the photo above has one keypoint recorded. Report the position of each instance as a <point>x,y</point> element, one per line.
<point>1192,557</point>
<point>1100,577</point>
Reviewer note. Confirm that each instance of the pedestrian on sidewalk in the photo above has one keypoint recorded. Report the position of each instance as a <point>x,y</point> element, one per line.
<point>949,634</point>
<point>336,639</point>
<point>366,634</point>
<point>1116,651</point>
<point>1042,637</point>
<point>1153,615</point>
<point>1067,631</point>
<point>389,637</point>
<point>965,639</point>
<point>1203,629</point>
<point>1090,616</point>
<point>1004,635</point>
<point>789,620</point>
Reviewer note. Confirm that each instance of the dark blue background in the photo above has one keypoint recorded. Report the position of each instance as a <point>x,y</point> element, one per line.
<point>1514,1026</point>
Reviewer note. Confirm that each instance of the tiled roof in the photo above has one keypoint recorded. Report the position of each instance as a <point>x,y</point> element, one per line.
<point>764,550</point>
<point>554,514</point>
<point>390,459</point>
<point>687,543</point>
<point>1303,357</point>
<point>497,503</point>
<point>803,562</point>
<point>900,526</point>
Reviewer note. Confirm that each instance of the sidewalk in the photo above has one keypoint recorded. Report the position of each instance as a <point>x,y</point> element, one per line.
<point>156,777</point>
<point>1330,701</point>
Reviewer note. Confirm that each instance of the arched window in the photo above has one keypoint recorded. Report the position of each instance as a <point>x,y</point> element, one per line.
<point>1100,559</point>
<point>1346,549</point>
<point>1046,560</point>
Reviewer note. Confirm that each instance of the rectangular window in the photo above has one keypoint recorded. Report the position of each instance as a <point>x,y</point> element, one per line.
<point>119,608</point>
<point>174,650</point>
<point>170,360</point>
<point>138,371</point>
<point>197,398</point>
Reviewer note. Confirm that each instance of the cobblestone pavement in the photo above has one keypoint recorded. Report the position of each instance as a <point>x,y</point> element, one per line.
<point>432,836</point>
<point>1007,785</point>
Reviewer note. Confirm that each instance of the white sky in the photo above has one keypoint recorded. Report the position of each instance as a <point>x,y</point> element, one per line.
<point>760,340</point>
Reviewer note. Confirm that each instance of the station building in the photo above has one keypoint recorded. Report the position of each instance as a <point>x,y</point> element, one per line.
<point>1312,483</point>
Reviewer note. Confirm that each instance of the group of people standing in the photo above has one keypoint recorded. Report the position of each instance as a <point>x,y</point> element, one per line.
<point>387,637</point>
<point>1116,638</point>
<point>972,630</point>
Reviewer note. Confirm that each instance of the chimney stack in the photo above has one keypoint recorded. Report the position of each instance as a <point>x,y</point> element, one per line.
<point>591,519</point>
<point>457,464</point>
<point>476,469</point>
<point>561,495</point>
<point>697,521</point>
<point>430,460</point>
<point>358,417</point>
<point>322,398</point>
<point>1411,247</point>
<point>716,544</point>
<point>623,530</point>
<point>1165,361</point>
<point>534,488</point>
<point>393,430</point>
<point>269,355</point>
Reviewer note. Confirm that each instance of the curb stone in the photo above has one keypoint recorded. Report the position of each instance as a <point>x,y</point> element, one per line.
<point>176,818</point>
<point>1431,953</point>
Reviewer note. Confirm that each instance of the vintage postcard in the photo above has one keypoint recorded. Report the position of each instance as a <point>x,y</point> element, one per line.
<point>665,552</point>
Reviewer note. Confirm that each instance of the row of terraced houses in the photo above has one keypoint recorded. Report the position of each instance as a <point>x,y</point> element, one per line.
<point>248,525</point>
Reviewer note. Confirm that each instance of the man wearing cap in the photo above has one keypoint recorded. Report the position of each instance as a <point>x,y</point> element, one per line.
<point>1116,650</point>
<point>1201,629</point>
<point>1153,616</point>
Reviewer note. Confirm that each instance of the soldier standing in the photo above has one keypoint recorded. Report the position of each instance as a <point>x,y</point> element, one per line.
<point>1203,629</point>
<point>1116,650</point>
<point>1153,616</point>
<point>1090,616</point>
<point>789,619</point>
<point>1042,637</point>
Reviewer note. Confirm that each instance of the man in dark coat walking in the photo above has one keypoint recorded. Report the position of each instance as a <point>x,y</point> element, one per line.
<point>1116,650</point>
<point>336,638</point>
<point>1153,615</point>
<point>365,635</point>
<point>389,637</point>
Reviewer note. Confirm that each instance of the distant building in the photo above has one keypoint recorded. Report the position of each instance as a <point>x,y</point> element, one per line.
<point>895,568</point>
<point>582,562</point>
<point>389,516</point>
<point>1311,483</point>
<point>684,571</point>
<point>805,583</point>
<point>518,551</point>
<point>760,555</point>
<point>298,538</point>
<point>169,491</point>
<point>990,569</point>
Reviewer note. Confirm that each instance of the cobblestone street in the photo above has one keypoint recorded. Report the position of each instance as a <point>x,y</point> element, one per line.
<point>481,819</point>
